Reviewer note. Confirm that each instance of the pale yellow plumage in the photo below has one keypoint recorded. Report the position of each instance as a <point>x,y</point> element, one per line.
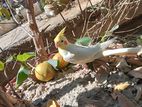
<point>79,54</point>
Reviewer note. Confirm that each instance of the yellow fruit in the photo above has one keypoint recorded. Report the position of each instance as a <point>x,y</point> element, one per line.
<point>52,103</point>
<point>62,62</point>
<point>44,71</point>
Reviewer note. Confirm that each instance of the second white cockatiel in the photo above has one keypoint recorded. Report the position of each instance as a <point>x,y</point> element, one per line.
<point>78,54</point>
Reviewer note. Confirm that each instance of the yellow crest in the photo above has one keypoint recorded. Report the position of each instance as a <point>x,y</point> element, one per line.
<point>60,34</point>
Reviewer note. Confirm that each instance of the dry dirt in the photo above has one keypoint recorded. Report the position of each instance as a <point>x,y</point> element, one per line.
<point>77,87</point>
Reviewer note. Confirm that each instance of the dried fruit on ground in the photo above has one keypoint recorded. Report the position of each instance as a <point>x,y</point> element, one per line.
<point>62,62</point>
<point>44,71</point>
<point>51,103</point>
<point>121,86</point>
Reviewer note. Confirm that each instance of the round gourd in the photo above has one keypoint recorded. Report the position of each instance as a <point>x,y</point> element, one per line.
<point>44,71</point>
<point>62,62</point>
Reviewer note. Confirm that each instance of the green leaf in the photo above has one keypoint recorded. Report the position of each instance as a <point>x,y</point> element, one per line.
<point>0,14</point>
<point>25,56</point>
<point>10,58</point>
<point>22,75</point>
<point>5,12</point>
<point>1,66</point>
<point>84,41</point>
<point>54,63</point>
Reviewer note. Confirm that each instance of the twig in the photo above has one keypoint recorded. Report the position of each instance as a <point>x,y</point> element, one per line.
<point>61,14</point>
<point>116,16</point>
<point>14,65</point>
<point>48,46</point>
<point>30,35</point>
<point>137,5</point>
<point>84,26</point>
<point>44,29</point>
<point>122,13</point>
<point>130,30</point>
<point>62,17</point>
<point>12,13</point>
<point>30,65</point>
<point>90,3</point>
<point>37,35</point>
<point>1,49</point>
<point>80,7</point>
<point>73,33</point>
<point>14,92</point>
<point>17,22</point>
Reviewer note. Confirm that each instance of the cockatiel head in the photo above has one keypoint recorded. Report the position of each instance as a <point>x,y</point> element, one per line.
<point>60,40</point>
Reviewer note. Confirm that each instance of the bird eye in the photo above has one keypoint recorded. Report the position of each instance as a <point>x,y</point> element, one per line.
<point>62,41</point>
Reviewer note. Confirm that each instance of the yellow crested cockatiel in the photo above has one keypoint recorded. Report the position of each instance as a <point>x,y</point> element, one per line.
<point>78,54</point>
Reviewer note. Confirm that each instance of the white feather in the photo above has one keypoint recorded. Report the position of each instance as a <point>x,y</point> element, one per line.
<point>84,54</point>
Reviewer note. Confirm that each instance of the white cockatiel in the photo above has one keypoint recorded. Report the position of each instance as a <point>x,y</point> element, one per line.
<point>78,54</point>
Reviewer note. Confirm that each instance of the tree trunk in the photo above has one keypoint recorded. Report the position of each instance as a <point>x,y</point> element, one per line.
<point>36,34</point>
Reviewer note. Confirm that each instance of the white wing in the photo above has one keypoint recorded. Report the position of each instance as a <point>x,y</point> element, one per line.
<point>81,54</point>
<point>84,54</point>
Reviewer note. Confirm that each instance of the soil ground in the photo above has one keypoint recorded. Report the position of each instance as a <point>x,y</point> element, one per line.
<point>77,86</point>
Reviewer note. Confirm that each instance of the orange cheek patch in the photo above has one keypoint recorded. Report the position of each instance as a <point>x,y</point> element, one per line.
<point>65,42</point>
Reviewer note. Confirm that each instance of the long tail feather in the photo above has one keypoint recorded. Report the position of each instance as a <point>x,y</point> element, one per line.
<point>122,51</point>
<point>104,45</point>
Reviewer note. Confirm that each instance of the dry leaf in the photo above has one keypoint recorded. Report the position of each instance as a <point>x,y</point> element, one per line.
<point>123,65</point>
<point>86,102</point>
<point>114,95</point>
<point>12,99</point>
<point>24,103</point>
<point>121,86</point>
<point>20,105</point>
<point>101,75</point>
<point>124,101</point>
<point>51,103</point>
<point>139,92</point>
<point>28,103</point>
<point>102,71</point>
<point>137,72</point>
<point>134,61</point>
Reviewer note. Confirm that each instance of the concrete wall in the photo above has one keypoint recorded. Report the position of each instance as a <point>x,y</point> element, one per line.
<point>7,25</point>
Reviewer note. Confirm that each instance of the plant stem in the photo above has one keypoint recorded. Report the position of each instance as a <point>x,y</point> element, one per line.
<point>13,16</point>
<point>80,7</point>
<point>14,92</point>
<point>16,21</point>
<point>61,14</point>
<point>91,3</point>
<point>37,35</point>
